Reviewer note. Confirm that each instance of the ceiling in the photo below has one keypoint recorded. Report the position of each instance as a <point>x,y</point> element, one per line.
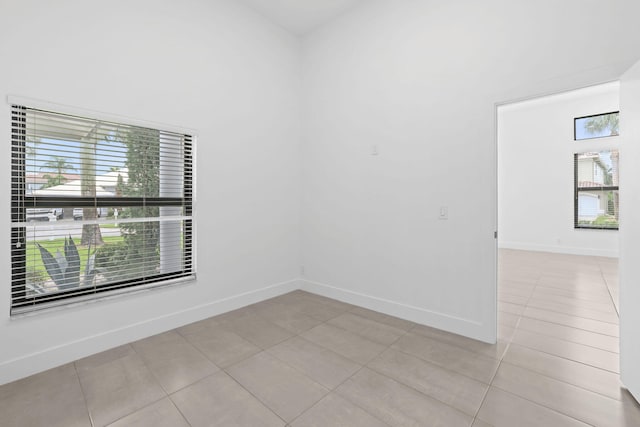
<point>301,16</point>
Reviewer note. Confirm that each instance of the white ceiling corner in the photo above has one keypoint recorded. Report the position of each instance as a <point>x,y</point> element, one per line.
<point>301,16</point>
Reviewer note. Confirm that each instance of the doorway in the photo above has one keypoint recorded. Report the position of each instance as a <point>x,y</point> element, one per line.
<point>558,277</point>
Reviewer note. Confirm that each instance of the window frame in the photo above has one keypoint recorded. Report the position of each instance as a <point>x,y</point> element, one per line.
<point>577,190</point>
<point>21,201</point>
<point>575,129</point>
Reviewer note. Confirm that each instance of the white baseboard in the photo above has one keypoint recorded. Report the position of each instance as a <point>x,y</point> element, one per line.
<point>457,325</point>
<point>40,361</point>
<point>569,250</point>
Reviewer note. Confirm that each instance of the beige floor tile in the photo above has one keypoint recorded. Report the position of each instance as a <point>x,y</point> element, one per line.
<point>543,292</point>
<point>576,373</point>
<point>397,404</point>
<point>597,293</point>
<point>570,280</point>
<point>507,307</point>
<point>333,410</point>
<point>51,398</point>
<point>219,400</point>
<point>502,409</point>
<point>508,319</point>
<point>474,365</point>
<point>515,291</point>
<point>491,350</point>
<point>316,306</point>
<point>615,296</point>
<point>505,333</point>
<point>581,404</point>
<point>573,321</point>
<point>174,361</point>
<point>160,414</point>
<point>589,292</point>
<point>575,310</point>
<point>320,310</point>
<point>117,383</point>
<point>99,359</point>
<point>318,363</point>
<point>529,282</point>
<point>604,305</point>
<point>345,343</point>
<point>256,329</point>
<point>200,327</point>
<point>580,336</point>
<point>520,279</point>
<point>220,345</point>
<point>280,387</point>
<point>480,423</point>
<point>288,318</point>
<point>448,387</point>
<point>580,353</point>
<point>343,306</point>
<point>513,299</point>
<point>396,322</point>
<point>232,315</point>
<point>611,277</point>
<point>367,328</point>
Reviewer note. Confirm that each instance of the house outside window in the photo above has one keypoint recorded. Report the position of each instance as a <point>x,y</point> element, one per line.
<point>597,201</point>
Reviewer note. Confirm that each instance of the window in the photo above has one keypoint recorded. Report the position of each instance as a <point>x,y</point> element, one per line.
<point>597,202</point>
<point>97,208</point>
<point>596,126</point>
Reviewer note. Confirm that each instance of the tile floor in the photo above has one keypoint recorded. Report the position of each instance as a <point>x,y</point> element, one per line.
<point>305,360</point>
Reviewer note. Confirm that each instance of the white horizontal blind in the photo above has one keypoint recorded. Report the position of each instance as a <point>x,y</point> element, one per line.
<point>97,207</point>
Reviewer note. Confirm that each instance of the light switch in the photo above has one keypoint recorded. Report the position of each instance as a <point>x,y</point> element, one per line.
<point>444,212</point>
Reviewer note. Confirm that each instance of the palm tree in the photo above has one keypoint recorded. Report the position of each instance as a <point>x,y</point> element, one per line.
<point>59,165</point>
<point>597,125</point>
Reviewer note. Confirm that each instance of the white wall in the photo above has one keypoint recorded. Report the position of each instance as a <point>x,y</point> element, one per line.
<point>211,66</point>
<point>630,238</point>
<point>420,80</point>
<point>535,172</point>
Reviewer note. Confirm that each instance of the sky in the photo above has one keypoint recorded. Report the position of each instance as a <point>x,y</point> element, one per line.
<point>581,133</point>
<point>108,155</point>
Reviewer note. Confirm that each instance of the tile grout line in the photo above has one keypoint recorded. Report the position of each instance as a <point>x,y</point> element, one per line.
<point>544,406</point>
<point>265,350</point>
<point>606,284</point>
<point>567,341</point>
<point>84,396</point>
<point>254,396</point>
<point>363,366</point>
<point>144,362</point>
<point>573,315</point>
<point>486,393</point>
<point>569,315</point>
<point>561,380</point>
<point>184,417</point>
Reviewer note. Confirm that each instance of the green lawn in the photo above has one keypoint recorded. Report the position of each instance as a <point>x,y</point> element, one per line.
<point>605,221</point>
<point>34,260</point>
<point>109,226</point>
